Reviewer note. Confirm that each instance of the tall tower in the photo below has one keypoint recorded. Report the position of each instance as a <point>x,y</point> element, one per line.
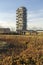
<point>21,19</point>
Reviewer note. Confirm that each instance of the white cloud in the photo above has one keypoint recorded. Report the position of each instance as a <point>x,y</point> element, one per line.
<point>8,20</point>
<point>35,19</point>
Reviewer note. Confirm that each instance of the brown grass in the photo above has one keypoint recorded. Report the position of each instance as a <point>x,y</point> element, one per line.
<point>31,55</point>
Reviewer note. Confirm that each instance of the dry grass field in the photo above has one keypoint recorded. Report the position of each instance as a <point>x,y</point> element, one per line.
<point>25,50</point>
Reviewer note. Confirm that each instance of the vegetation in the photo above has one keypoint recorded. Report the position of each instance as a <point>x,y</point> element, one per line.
<point>22,50</point>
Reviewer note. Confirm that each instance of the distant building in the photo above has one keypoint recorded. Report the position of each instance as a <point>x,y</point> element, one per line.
<point>40,32</point>
<point>30,32</point>
<point>4,30</point>
<point>21,19</point>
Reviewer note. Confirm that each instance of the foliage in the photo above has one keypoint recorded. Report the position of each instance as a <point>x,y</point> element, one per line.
<point>23,50</point>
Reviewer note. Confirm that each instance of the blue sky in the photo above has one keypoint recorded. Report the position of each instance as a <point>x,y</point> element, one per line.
<point>34,13</point>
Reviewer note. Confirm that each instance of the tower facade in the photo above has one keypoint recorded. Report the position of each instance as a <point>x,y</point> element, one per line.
<point>21,19</point>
